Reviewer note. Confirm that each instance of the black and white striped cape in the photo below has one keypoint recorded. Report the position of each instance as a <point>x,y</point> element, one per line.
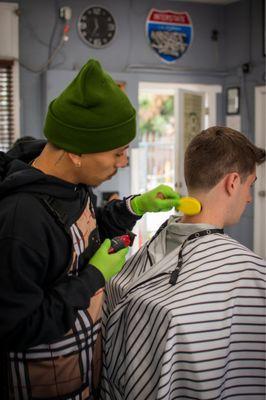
<point>201,338</point>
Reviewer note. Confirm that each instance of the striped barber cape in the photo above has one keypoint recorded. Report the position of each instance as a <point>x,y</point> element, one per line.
<point>201,337</point>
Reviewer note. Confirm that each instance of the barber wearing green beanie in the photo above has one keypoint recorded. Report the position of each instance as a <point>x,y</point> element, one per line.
<point>55,241</point>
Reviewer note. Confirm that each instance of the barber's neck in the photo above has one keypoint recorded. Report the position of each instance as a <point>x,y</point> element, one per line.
<point>56,163</point>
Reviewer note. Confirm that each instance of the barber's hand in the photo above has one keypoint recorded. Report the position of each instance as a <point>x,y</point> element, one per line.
<point>162,198</point>
<point>108,264</point>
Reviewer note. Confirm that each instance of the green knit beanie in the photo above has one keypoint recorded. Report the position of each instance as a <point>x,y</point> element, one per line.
<point>91,115</point>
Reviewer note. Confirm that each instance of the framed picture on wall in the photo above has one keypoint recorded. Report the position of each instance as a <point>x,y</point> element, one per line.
<point>232,100</point>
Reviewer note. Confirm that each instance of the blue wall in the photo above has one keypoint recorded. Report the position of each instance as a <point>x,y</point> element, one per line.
<point>129,48</point>
<point>130,58</point>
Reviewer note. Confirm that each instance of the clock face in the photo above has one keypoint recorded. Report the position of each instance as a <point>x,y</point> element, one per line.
<point>97,27</point>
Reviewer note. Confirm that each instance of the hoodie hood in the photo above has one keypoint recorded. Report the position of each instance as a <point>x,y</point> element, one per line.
<point>16,174</point>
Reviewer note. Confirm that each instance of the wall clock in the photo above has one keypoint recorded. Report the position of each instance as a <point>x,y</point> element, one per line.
<point>97,27</point>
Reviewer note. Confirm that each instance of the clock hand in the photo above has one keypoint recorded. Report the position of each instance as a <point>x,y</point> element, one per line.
<point>96,26</point>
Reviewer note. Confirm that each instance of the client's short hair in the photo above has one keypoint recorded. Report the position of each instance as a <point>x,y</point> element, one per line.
<point>217,151</point>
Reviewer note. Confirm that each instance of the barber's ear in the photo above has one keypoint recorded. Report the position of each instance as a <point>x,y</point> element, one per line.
<point>75,159</point>
<point>231,182</point>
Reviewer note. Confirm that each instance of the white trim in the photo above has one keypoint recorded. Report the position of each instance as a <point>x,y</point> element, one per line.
<point>9,46</point>
<point>260,185</point>
<point>9,50</point>
<point>156,86</point>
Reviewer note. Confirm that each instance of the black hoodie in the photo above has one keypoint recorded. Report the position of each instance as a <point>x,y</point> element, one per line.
<point>38,299</point>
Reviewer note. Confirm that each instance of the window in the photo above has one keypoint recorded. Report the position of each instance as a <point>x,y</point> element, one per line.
<point>7,119</point>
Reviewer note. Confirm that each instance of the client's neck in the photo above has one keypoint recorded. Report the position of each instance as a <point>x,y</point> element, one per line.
<point>212,212</point>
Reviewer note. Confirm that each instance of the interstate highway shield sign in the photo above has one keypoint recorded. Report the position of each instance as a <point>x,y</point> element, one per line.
<point>169,33</point>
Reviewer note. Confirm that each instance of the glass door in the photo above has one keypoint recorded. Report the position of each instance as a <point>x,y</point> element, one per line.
<point>169,116</point>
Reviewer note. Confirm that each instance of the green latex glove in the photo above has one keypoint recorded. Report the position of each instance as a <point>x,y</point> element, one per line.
<point>162,198</point>
<point>108,264</point>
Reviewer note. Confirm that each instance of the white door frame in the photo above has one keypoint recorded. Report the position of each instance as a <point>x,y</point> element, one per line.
<point>260,185</point>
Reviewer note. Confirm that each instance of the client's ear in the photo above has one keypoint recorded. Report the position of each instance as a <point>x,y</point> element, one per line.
<point>75,159</point>
<point>231,182</point>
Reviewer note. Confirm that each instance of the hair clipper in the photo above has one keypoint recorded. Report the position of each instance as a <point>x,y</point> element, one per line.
<point>120,242</point>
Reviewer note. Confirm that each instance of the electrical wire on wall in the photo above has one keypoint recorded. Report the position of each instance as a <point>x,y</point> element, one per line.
<point>65,15</point>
